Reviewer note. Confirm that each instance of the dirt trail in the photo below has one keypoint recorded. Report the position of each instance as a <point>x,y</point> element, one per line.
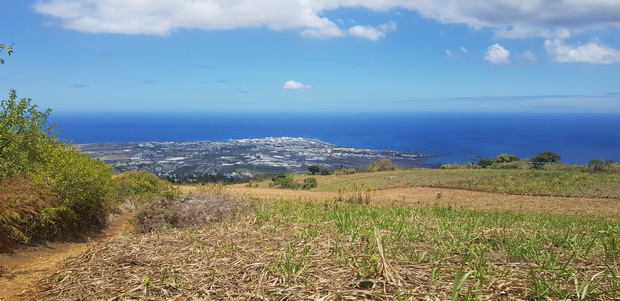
<point>19,272</point>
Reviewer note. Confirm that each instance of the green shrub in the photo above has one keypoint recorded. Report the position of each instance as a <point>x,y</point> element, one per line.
<point>289,182</point>
<point>25,137</point>
<point>309,183</point>
<point>505,158</point>
<point>141,184</point>
<point>485,162</point>
<point>83,185</point>
<point>345,171</point>
<point>382,165</point>
<point>73,191</point>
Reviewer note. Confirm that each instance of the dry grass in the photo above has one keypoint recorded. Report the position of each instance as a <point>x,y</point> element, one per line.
<point>420,197</point>
<point>191,210</point>
<point>307,248</point>
<point>20,204</point>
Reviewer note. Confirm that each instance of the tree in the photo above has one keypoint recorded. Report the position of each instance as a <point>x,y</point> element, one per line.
<point>596,164</point>
<point>326,171</point>
<point>8,48</point>
<point>314,169</point>
<point>25,136</point>
<point>506,158</point>
<point>485,162</point>
<point>544,158</point>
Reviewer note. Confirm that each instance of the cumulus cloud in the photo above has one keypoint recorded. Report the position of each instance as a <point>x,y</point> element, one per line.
<point>294,85</point>
<point>497,55</point>
<point>372,33</point>
<point>592,53</point>
<point>510,19</point>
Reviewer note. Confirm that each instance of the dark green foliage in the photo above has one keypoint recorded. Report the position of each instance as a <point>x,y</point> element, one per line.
<point>314,169</point>
<point>289,182</point>
<point>382,165</point>
<point>544,158</point>
<point>505,158</point>
<point>485,162</point>
<point>309,183</point>
<point>326,172</point>
<point>596,164</point>
<point>74,190</point>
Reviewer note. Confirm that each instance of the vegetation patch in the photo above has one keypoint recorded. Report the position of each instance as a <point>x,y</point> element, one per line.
<point>188,211</point>
<point>513,181</point>
<point>339,251</point>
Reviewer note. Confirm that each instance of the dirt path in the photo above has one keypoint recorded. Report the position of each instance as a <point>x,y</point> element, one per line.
<point>20,272</point>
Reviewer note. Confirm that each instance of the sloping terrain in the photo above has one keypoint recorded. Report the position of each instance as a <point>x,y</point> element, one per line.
<point>409,243</point>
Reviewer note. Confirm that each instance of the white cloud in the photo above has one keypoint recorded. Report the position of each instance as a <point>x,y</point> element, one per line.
<point>372,33</point>
<point>462,49</point>
<point>449,53</point>
<point>510,19</point>
<point>527,58</point>
<point>592,53</point>
<point>294,85</point>
<point>497,55</point>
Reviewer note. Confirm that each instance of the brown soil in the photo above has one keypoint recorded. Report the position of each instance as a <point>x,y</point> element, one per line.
<point>19,272</point>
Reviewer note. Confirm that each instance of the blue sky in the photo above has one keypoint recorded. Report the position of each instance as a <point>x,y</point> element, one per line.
<point>313,55</point>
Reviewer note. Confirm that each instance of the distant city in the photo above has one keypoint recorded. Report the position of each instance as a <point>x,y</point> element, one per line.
<point>243,158</point>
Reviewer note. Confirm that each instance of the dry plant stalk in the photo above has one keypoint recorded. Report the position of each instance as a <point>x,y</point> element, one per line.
<point>390,274</point>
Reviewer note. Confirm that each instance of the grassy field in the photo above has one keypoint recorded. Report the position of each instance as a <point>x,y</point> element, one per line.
<point>528,182</point>
<point>433,244</point>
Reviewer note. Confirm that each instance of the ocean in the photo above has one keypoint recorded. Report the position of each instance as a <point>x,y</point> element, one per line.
<point>459,137</point>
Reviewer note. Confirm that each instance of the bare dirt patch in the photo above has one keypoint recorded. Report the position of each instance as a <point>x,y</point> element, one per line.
<point>20,271</point>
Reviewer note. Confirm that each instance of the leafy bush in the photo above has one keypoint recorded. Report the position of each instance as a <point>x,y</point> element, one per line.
<point>314,169</point>
<point>81,186</point>
<point>309,183</point>
<point>289,182</point>
<point>141,184</point>
<point>485,162</point>
<point>545,158</point>
<point>382,165</point>
<point>25,137</point>
<point>345,171</point>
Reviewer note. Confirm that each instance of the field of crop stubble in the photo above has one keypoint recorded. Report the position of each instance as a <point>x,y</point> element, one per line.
<point>407,243</point>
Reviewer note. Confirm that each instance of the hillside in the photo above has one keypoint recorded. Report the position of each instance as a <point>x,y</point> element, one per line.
<point>407,243</point>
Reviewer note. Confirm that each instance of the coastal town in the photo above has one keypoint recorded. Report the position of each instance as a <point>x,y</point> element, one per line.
<point>243,158</point>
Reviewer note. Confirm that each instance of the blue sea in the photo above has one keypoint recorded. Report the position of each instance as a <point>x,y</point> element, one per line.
<point>459,137</point>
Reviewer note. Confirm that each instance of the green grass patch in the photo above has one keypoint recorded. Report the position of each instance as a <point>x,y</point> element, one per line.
<point>531,182</point>
<point>553,257</point>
